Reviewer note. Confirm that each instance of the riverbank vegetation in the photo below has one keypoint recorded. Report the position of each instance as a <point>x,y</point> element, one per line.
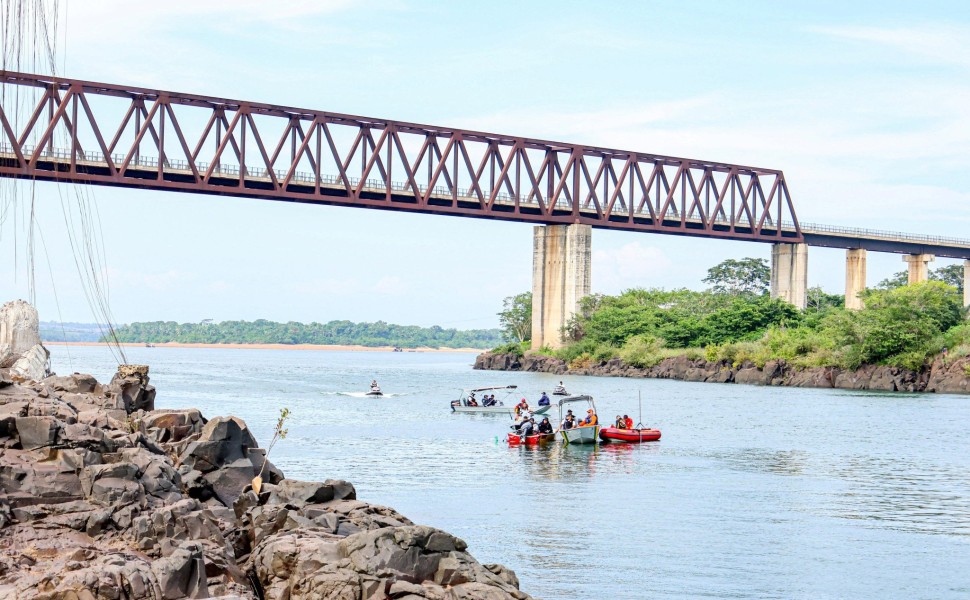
<point>333,333</point>
<point>736,321</point>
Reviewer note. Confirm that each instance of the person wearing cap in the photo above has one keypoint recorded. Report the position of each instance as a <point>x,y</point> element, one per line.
<point>521,406</point>
<point>590,419</point>
<point>569,421</point>
<point>544,400</point>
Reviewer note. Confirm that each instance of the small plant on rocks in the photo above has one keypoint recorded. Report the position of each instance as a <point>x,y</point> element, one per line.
<point>278,434</point>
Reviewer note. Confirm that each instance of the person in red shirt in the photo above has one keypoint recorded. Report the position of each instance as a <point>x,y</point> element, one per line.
<point>628,421</point>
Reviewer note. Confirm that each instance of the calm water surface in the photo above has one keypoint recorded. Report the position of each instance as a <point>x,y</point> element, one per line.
<point>751,493</point>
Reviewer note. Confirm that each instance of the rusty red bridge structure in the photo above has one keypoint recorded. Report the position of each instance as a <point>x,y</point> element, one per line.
<point>81,132</point>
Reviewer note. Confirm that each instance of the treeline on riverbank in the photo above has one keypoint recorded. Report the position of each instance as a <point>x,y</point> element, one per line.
<point>333,333</point>
<point>735,322</point>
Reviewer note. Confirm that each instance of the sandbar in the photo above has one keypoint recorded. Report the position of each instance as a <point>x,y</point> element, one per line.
<point>331,347</point>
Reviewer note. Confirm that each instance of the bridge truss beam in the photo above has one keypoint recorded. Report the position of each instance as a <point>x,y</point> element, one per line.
<point>94,133</point>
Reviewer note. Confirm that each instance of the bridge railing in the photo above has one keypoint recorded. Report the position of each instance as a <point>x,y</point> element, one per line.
<point>465,194</point>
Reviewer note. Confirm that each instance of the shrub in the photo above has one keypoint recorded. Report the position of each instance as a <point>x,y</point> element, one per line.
<point>712,353</point>
<point>605,352</point>
<point>516,348</point>
<point>583,361</point>
<point>642,351</point>
<point>695,354</point>
<point>913,360</point>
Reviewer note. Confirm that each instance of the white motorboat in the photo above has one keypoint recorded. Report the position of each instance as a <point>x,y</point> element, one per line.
<point>559,390</point>
<point>580,434</point>
<point>473,401</point>
<point>375,390</point>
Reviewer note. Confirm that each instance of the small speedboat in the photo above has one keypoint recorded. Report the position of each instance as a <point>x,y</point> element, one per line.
<point>467,402</point>
<point>630,436</point>
<point>515,439</point>
<point>375,391</point>
<point>580,434</point>
<point>559,391</point>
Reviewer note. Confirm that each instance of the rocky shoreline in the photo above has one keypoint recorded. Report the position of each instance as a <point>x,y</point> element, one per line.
<point>104,497</point>
<point>949,377</point>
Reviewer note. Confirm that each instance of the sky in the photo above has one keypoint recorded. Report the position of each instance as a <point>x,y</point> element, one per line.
<point>865,106</point>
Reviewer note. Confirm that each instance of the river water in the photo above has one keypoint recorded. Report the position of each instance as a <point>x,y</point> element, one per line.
<point>751,493</point>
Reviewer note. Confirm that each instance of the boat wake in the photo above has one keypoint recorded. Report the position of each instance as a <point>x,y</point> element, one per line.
<point>360,395</point>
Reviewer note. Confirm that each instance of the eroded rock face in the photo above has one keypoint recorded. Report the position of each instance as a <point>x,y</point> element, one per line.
<point>21,352</point>
<point>942,376</point>
<point>102,497</point>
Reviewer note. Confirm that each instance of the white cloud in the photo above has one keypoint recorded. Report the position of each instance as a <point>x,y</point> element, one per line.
<point>941,43</point>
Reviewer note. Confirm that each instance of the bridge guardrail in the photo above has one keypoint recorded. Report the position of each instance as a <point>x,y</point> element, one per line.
<point>466,194</point>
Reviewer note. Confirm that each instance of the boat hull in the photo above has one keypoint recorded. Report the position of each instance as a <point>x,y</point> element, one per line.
<point>496,410</point>
<point>581,435</point>
<point>629,436</point>
<point>530,440</point>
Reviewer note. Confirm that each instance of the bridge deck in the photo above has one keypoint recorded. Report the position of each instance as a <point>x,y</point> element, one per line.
<point>441,201</point>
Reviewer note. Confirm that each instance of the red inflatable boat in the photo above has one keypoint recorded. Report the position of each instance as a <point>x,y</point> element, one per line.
<point>531,440</point>
<point>631,436</point>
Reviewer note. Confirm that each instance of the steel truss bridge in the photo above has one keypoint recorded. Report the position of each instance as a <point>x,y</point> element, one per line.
<point>69,130</point>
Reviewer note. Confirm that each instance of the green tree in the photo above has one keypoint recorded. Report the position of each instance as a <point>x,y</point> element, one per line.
<point>516,317</point>
<point>895,281</point>
<point>819,301</point>
<point>950,275</point>
<point>906,319</point>
<point>746,276</point>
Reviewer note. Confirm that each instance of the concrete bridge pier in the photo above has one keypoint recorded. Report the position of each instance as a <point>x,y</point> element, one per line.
<point>966,283</point>
<point>918,266</point>
<point>561,268</point>
<point>789,273</point>
<point>855,277</point>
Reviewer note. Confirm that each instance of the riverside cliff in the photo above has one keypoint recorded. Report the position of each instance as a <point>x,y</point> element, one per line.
<point>950,377</point>
<point>104,497</point>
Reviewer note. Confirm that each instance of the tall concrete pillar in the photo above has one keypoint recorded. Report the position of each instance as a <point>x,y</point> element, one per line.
<point>918,266</point>
<point>789,273</point>
<point>561,267</point>
<point>966,283</point>
<point>855,277</point>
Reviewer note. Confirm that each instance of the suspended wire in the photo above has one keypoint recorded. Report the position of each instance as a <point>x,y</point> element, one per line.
<point>28,38</point>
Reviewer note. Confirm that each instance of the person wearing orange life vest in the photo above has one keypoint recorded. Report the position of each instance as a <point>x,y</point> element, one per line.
<point>628,421</point>
<point>590,419</point>
<point>521,406</point>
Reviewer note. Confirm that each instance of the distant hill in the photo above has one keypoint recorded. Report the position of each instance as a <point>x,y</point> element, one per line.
<point>51,331</point>
<point>335,332</point>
